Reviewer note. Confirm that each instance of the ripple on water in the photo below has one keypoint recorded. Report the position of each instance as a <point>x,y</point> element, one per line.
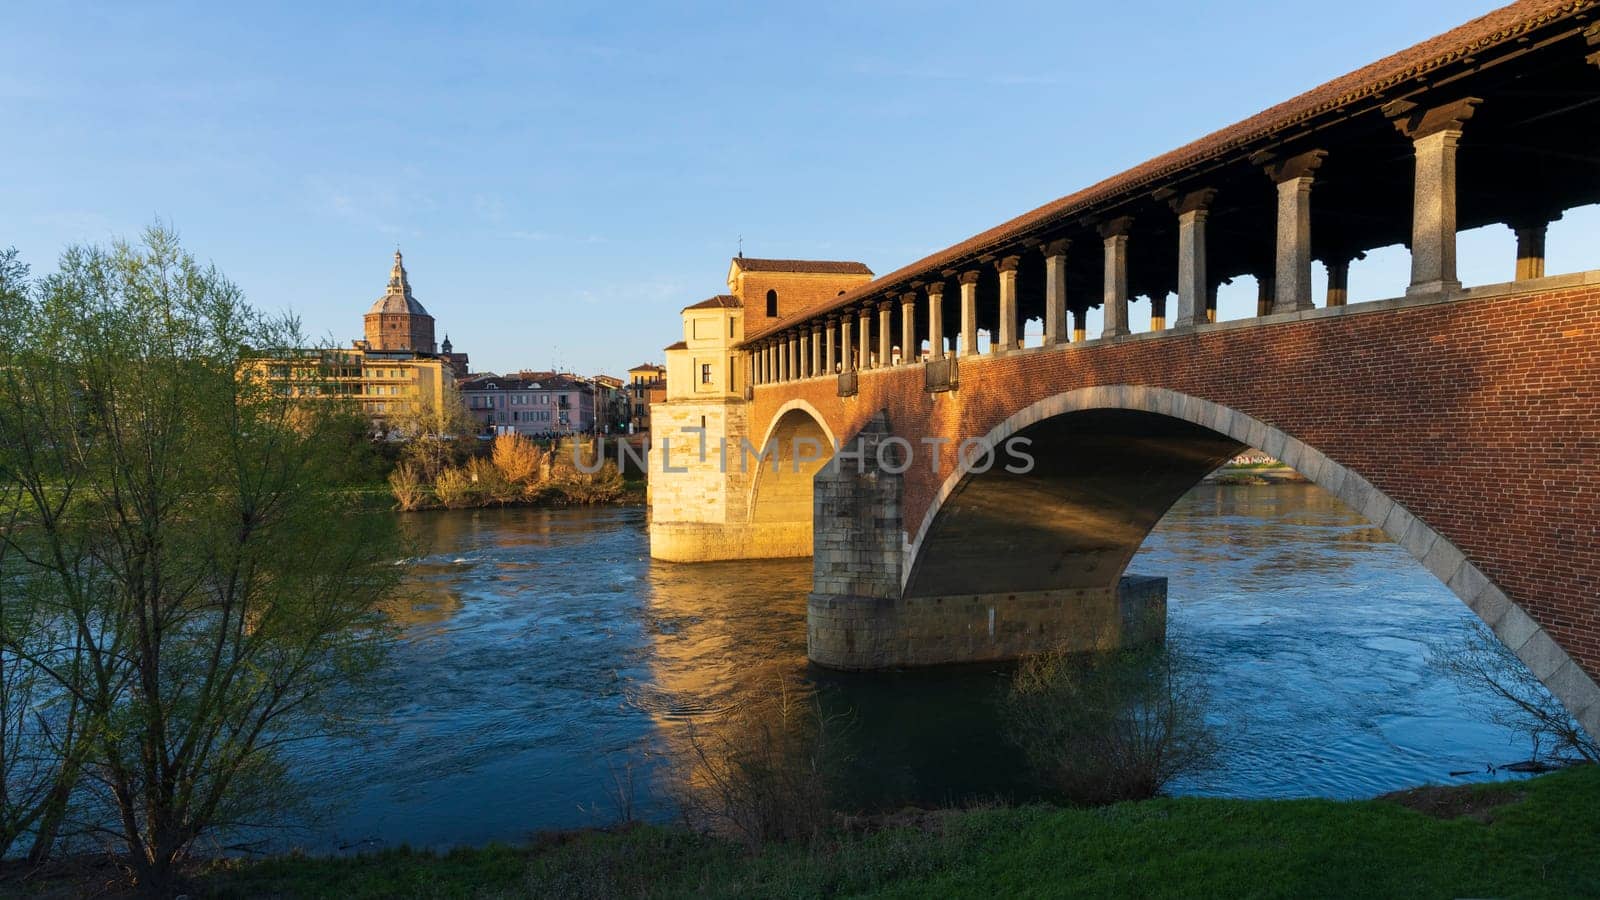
<point>546,653</point>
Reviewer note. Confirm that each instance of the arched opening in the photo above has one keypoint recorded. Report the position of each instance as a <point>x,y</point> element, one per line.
<point>796,447</point>
<point>1100,480</point>
<point>1109,463</point>
<point>772,304</point>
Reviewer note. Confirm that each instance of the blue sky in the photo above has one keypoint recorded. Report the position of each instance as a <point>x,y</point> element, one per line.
<point>564,177</point>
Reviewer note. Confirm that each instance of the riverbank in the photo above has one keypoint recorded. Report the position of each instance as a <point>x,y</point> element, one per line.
<point>1273,473</point>
<point>1533,838</point>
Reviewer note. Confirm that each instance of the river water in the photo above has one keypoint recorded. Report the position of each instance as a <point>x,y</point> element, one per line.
<point>549,668</point>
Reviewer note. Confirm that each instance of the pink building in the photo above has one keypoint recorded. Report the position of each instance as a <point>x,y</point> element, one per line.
<point>530,403</point>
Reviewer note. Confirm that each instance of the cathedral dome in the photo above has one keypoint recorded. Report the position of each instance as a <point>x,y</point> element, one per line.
<point>398,298</point>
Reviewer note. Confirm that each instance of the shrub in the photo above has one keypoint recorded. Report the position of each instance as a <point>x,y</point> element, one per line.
<point>764,772</point>
<point>520,460</point>
<point>455,488</point>
<point>406,483</point>
<point>1107,726</point>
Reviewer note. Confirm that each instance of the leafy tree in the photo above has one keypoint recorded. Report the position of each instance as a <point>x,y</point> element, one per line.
<point>186,544</point>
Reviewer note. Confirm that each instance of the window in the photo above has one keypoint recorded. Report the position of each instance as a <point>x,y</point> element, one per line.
<point>772,304</point>
<point>705,373</point>
<point>731,320</point>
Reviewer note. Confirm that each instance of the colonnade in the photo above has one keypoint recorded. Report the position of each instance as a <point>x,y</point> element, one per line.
<point>861,336</point>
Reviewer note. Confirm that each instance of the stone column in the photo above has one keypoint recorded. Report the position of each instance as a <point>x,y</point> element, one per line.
<point>885,334</point>
<point>785,356</point>
<point>1158,311</point>
<point>1266,295</point>
<point>1339,277</point>
<point>766,364</point>
<point>864,361</point>
<point>1115,235</point>
<point>1055,292</point>
<point>1080,327</point>
<point>830,360</point>
<point>804,365</point>
<point>816,349</point>
<point>909,351</point>
<point>1531,231</point>
<point>1434,134</point>
<point>969,314</point>
<point>1193,209</point>
<point>936,320</point>
<point>1293,176</point>
<point>1007,267</point>
<point>846,352</point>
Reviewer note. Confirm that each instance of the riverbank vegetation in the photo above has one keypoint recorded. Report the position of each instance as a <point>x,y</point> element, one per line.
<point>1532,838</point>
<point>1111,725</point>
<point>519,471</point>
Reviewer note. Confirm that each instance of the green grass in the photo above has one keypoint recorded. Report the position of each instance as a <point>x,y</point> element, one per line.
<point>1544,841</point>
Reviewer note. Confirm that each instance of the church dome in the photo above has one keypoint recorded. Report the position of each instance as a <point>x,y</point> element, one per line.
<point>398,299</point>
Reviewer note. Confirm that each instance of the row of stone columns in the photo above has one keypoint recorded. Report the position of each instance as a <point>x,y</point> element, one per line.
<point>1434,133</point>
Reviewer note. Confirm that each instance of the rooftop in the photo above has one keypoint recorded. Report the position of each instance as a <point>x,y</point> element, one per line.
<point>802,266</point>
<point>720,301</point>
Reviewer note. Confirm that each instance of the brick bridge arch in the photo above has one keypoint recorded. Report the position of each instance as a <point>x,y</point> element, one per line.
<point>1218,433</point>
<point>1465,426</point>
<point>780,495</point>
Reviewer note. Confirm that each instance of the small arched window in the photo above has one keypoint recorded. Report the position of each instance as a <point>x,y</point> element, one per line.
<point>772,304</point>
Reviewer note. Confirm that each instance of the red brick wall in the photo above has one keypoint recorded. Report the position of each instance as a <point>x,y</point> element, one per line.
<point>1481,417</point>
<point>796,292</point>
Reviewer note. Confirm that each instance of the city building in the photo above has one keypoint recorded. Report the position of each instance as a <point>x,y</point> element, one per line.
<point>647,384</point>
<point>393,371</point>
<point>548,404</point>
<point>611,401</point>
<point>388,384</point>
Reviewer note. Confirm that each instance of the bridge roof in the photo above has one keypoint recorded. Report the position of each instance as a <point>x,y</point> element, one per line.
<point>1367,87</point>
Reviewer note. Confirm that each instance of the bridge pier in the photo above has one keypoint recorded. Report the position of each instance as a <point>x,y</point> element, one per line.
<point>859,615</point>
<point>856,632</point>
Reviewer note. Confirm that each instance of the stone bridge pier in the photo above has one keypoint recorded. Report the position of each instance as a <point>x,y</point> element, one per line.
<point>1029,553</point>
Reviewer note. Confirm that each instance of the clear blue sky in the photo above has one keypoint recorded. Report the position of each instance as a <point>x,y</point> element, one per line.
<point>564,177</point>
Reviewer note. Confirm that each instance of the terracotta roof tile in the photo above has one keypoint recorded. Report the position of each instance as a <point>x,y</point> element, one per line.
<point>681,345</point>
<point>804,266</point>
<point>1496,27</point>
<point>720,301</point>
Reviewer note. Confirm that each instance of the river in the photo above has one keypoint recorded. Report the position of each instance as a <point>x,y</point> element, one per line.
<point>548,668</point>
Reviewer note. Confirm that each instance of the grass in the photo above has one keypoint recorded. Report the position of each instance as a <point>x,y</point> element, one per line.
<point>1536,838</point>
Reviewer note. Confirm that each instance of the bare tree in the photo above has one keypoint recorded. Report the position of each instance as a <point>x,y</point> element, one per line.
<point>1481,665</point>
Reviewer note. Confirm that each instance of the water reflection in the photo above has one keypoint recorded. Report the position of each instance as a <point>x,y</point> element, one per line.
<point>545,652</point>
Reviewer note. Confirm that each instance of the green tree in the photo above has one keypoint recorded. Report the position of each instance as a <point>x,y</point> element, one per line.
<point>186,540</point>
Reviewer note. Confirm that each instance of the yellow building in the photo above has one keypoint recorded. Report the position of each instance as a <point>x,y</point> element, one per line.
<point>386,383</point>
<point>703,365</point>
